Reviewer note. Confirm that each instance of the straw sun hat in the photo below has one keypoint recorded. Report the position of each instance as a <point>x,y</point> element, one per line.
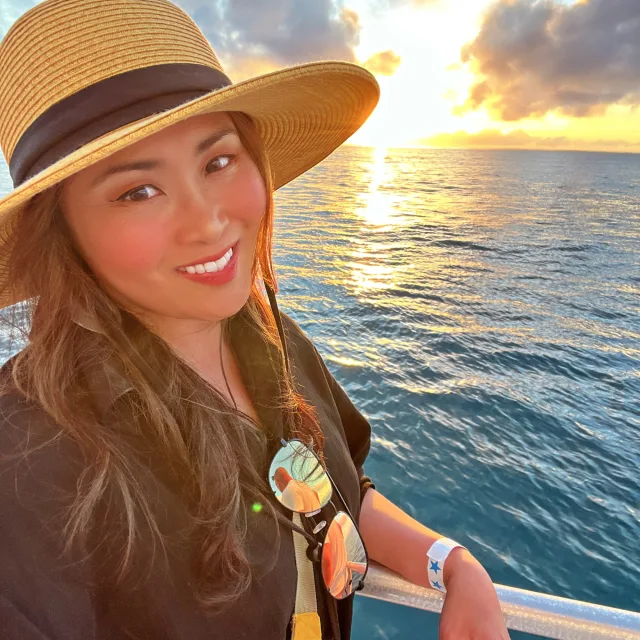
<point>82,79</point>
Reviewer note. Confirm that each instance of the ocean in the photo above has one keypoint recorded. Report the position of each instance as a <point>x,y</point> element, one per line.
<point>482,310</point>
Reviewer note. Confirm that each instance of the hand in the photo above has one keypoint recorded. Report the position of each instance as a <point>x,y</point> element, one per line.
<point>471,608</point>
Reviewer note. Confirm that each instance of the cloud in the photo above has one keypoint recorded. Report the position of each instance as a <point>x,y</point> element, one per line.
<point>532,57</point>
<point>519,139</point>
<point>384,63</point>
<point>280,32</point>
<point>486,138</point>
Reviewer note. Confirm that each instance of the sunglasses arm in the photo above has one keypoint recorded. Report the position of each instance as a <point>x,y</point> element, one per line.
<point>310,539</point>
<point>346,506</point>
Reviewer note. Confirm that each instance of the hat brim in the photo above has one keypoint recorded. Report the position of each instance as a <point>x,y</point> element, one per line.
<point>302,113</point>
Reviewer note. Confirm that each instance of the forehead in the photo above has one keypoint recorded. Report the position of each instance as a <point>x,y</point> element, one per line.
<point>186,133</point>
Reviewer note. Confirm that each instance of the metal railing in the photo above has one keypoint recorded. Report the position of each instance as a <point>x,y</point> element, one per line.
<point>535,613</point>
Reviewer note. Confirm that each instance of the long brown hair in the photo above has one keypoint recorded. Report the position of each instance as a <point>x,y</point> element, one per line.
<point>210,447</point>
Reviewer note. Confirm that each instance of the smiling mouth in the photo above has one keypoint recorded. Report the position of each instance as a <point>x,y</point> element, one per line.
<point>212,266</point>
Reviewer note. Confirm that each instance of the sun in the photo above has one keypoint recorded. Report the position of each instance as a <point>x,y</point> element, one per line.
<point>417,100</point>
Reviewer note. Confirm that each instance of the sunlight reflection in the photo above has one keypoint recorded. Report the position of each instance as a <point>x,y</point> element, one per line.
<point>380,206</point>
<point>369,276</point>
<point>371,268</point>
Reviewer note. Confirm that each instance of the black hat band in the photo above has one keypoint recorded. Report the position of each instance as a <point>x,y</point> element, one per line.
<point>106,106</point>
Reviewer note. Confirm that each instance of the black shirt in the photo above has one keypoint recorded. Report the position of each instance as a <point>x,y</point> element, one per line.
<point>44,596</point>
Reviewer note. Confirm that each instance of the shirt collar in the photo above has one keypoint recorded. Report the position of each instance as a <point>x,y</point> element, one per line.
<point>256,358</point>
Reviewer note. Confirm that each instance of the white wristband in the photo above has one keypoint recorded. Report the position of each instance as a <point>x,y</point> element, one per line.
<point>436,556</point>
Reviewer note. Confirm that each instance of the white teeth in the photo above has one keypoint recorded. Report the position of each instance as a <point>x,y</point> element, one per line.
<point>210,267</point>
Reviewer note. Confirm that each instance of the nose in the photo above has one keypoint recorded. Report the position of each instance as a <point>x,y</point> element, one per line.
<point>201,219</point>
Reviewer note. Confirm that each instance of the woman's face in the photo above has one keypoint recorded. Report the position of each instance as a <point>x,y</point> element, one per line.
<point>187,195</point>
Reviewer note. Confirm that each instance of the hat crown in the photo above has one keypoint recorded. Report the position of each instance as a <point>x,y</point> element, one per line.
<point>60,47</point>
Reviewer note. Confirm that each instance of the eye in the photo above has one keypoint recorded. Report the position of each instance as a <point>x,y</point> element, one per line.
<point>133,195</point>
<point>224,161</point>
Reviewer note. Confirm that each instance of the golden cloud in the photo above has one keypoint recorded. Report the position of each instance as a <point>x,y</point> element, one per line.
<point>383,63</point>
<point>520,139</point>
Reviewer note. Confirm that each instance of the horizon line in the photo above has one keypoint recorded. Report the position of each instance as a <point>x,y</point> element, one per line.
<point>489,148</point>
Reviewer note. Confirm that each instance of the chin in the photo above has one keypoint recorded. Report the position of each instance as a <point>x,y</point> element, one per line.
<point>229,305</point>
<point>229,310</point>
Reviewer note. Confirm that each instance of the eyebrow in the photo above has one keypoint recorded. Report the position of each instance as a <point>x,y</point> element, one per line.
<point>142,165</point>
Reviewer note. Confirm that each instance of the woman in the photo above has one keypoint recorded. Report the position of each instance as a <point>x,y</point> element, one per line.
<point>295,495</point>
<point>138,422</point>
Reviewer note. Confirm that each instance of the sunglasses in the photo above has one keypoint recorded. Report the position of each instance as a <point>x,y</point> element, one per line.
<point>301,484</point>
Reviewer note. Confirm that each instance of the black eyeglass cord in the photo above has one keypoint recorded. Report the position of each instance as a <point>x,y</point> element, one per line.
<point>271,294</point>
<point>224,375</point>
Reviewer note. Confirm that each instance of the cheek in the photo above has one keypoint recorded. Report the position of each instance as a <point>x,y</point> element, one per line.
<point>122,248</point>
<point>250,200</point>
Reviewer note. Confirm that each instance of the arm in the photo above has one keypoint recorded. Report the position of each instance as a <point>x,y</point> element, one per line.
<point>397,541</point>
<point>385,528</point>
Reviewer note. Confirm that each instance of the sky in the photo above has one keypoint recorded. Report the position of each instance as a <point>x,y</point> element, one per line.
<point>546,74</point>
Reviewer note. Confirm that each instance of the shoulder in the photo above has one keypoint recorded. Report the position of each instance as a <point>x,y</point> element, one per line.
<point>297,340</point>
<point>20,417</point>
<point>306,359</point>
<point>36,456</point>
<point>293,329</point>
<point>311,371</point>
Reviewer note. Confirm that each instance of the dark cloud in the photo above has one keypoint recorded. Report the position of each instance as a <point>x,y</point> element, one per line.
<point>536,56</point>
<point>384,63</point>
<point>283,32</point>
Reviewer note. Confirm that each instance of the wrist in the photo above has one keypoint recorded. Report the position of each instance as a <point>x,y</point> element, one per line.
<point>461,563</point>
<point>438,559</point>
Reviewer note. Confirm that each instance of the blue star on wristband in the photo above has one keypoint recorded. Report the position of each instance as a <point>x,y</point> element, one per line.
<point>437,555</point>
